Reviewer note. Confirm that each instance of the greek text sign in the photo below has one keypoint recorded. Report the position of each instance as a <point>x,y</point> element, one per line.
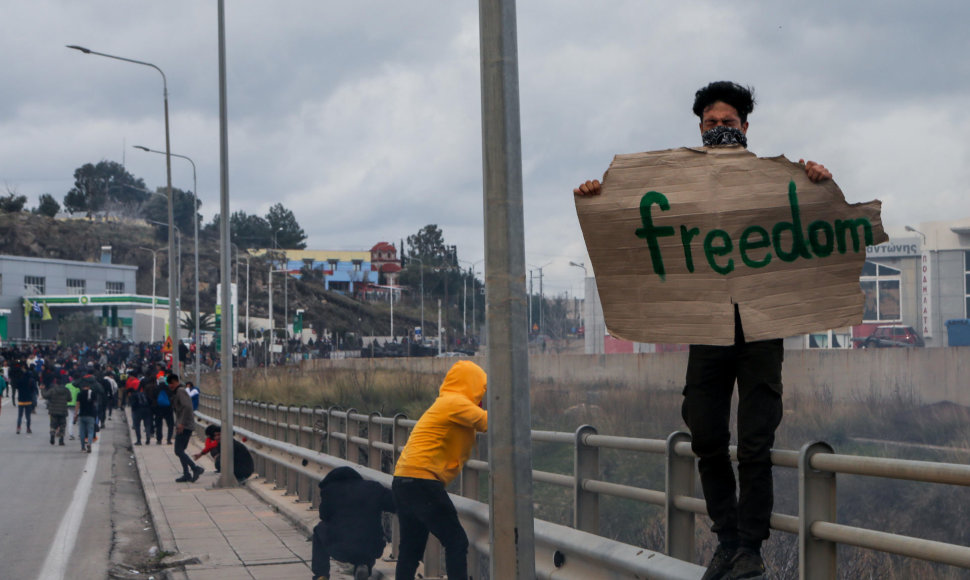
<point>678,237</point>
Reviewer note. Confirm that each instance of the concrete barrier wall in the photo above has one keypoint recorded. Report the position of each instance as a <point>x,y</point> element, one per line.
<point>921,375</point>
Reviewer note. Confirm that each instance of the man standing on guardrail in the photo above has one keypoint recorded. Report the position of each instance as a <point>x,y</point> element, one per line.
<point>436,450</point>
<point>741,510</point>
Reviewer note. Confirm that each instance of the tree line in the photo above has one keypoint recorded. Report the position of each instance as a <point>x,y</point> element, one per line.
<point>107,189</point>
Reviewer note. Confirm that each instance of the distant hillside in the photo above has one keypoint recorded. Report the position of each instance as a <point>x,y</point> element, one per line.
<point>31,235</point>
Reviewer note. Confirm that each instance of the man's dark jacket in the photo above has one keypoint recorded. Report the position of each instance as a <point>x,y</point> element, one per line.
<point>95,386</point>
<point>57,396</point>
<point>150,386</point>
<point>350,509</point>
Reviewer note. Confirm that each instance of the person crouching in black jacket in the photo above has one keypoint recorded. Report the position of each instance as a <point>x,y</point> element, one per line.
<point>350,528</point>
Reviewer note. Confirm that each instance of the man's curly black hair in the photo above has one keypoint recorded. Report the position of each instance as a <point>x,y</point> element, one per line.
<point>739,97</point>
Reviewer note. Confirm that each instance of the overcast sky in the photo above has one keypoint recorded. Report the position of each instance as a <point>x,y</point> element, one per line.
<point>364,117</point>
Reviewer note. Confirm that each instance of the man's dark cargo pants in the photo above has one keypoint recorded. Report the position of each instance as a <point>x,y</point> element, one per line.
<point>741,513</point>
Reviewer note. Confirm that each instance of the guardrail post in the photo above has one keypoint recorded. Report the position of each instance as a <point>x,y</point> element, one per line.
<point>318,425</point>
<point>255,410</point>
<point>293,436</point>
<point>333,447</point>
<point>679,532</point>
<point>305,484</point>
<point>586,465</point>
<point>275,435</point>
<point>470,487</point>
<point>373,436</point>
<point>817,559</point>
<point>352,429</point>
<point>399,436</point>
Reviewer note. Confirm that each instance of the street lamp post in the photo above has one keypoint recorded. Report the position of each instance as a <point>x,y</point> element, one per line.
<point>418,260</point>
<point>154,262</point>
<point>247,291</point>
<point>172,313</point>
<point>271,332</point>
<point>580,265</point>
<point>471,270</point>
<point>916,231</point>
<point>195,221</point>
<point>542,328</point>
<point>178,258</point>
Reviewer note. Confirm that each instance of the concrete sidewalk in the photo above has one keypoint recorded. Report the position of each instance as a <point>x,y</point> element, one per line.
<point>238,533</point>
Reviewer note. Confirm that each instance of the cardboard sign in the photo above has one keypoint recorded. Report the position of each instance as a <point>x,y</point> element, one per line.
<point>678,237</point>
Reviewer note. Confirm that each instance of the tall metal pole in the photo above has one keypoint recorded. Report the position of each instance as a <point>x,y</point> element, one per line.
<point>509,439</point>
<point>172,308</point>
<point>530,301</point>
<point>247,301</point>
<point>286,310</point>
<point>226,479</point>
<point>418,260</point>
<point>154,268</point>
<point>271,333</point>
<point>542,300</point>
<point>195,223</point>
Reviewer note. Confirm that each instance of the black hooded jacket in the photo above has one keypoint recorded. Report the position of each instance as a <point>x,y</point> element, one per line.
<point>350,508</point>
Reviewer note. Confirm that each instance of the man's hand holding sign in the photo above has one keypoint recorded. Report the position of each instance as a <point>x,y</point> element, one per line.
<point>715,247</point>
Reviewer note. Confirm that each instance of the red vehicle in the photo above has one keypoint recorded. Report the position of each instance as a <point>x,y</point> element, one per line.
<point>890,336</point>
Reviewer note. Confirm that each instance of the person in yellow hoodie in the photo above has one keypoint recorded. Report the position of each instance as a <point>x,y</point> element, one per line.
<point>435,452</point>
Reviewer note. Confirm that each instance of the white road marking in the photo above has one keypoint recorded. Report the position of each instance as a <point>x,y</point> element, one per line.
<point>55,566</point>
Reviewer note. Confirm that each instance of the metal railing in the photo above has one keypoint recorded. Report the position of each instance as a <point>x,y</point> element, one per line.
<point>296,446</point>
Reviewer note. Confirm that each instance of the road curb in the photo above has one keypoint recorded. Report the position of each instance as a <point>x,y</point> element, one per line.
<point>163,531</point>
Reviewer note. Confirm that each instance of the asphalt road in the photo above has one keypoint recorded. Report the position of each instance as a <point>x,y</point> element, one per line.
<point>56,502</point>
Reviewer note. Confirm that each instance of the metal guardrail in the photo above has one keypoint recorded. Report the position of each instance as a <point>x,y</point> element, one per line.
<point>296,446</point>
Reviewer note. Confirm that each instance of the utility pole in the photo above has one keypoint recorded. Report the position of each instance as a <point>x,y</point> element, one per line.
<point>511,526</point>
<point>226,479</point>
<point>530,301</point>
<point>542,300</point>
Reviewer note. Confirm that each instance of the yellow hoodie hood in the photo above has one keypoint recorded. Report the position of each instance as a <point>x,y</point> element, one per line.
<point>442,440</point>
<point>465,378</point>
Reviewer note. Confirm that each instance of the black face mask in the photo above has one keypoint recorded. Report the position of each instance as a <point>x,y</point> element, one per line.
<point>724,136</point>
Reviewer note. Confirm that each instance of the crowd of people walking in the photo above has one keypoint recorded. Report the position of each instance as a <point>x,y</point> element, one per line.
<point>80,387</point>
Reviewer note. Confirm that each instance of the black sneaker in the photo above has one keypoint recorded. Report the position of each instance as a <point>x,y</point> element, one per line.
<point>747,565</point>
<point>720,564</point>
<point>184,479</point>
<point>197,471</point>
<point>137,442</point>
